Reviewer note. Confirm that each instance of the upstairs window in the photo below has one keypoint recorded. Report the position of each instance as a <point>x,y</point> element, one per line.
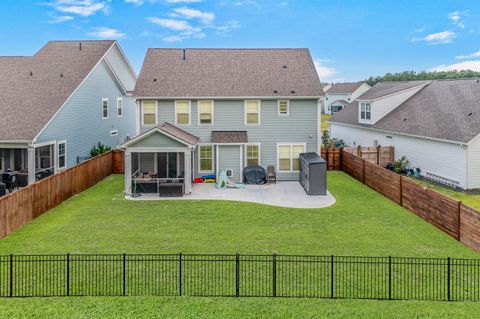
<point>283,107</point>
<point>182,112</point>
<point>205,112</point>
<point>252,112</point>
<point>365,110</point>
<point>105,108</point>
<point>149,113</point>
<point>119,107</point>
<point>253,155</point>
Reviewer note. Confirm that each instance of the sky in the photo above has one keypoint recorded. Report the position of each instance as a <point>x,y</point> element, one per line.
<point>349,40</point>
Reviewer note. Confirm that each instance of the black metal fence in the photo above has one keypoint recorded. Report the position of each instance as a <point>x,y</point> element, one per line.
<point>391,278</point>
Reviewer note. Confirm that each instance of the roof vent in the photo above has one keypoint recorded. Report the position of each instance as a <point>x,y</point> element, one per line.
<point>469,114</point>
<point>31,73</point>
<point>284,66</point>
<point>61,75</point>
<point>80,46</point>
<point>184,55</point>
<point>405,119</point>
<point>275,91</point>
<point>155,80</point>
<point>292,91</point>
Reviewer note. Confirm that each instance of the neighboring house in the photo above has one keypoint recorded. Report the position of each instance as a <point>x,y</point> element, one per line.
<point>203,110</point>
<point>57,104</point>
<point>340,93</point>
<point>435,124</point>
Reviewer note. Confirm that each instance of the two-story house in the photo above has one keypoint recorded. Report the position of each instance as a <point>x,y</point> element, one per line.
<point>435,124</point>
<point>339,95</point>
<point>57,104</point>
<point>203,110</point>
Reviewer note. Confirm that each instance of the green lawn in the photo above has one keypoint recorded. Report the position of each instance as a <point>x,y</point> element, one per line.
<point>362,222</point>
<point>325,124</point>
<point>470,200</point>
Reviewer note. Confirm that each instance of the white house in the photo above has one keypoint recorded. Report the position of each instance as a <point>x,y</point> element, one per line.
<point>340,94</point>
<point>435,124</point>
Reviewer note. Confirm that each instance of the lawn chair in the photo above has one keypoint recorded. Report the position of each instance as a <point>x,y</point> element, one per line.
<point>271,174</point>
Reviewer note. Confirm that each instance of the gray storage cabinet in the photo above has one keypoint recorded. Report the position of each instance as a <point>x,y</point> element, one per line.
<point>313,173</point>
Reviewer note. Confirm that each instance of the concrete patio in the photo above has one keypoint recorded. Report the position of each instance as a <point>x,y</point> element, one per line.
<point>284,194</point>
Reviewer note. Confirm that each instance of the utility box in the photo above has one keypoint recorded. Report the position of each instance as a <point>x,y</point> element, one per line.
<point>313,173</point>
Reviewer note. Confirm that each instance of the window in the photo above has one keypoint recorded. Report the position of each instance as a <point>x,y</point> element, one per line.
<point>283,107</point>
<point>182,112</point>
<point>253,155</point>
<point>252,112</point>
<point>44,158</point>
<point>119,107</point>
<point>149,112</point>
<point>206,158</point>
<point>289,156</point>
<point>62,154</point>
<point>105,108</point>
<point>205,112</point>
<point>365,111</point>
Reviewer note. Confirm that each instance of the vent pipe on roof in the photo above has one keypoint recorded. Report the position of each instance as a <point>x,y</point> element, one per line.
<point>31,73</point>
<point>80,46</point>
<point>184,55</point>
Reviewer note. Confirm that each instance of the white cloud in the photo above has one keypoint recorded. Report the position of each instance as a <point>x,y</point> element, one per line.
<point>469,56</point>
<point>456,18</point>
<point>227,27</point>
<point>473,65</point>
<point>83,8</point>
<point>59,19</point>
<point>107,33</point>
<point>283,4</point>
<point>443,37</point>
<point>135,2</point>
<point>172,24</point>
<point>188,13</point>
<point>182,1</point>
<point>325,73</point>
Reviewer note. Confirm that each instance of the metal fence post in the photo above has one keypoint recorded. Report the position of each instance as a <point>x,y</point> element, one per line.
<point>11,275</point>
<point>331,277</point>
<point>448,279</point>
<point>389,277</point>
<point>68,275</point>
<point>124,274</point>
<point>274,275</point>
<point>180,274</point>
<point>237,275</point>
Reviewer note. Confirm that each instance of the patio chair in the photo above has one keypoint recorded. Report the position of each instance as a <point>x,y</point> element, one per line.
<point>271,174</point>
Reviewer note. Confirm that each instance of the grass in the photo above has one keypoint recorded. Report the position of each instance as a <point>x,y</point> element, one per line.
<point>325,124</point>
<point>362,222</point>
<point>181,307</point>
<point>467,199</point>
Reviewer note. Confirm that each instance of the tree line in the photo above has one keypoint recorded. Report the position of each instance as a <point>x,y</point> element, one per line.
<point>423,75</point>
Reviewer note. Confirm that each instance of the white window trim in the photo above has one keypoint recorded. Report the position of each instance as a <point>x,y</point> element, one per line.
<point>291,155</point>
<point>259,112</point>
<point>198,113</point>
<point>120,99</point>
<point>57,153</point>
<point>288,108</point>
<point>156,113</point>
<point>103,100</point>
<point>213,158</point>
<point>365,120</point>
<point>189,112</point>
<point>259,153</point>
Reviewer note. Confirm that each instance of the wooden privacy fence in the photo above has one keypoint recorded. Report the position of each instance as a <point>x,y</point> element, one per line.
<point>449,215</point>
<point>333,156</point>
<point>380,155</point>
<point>28,203</point>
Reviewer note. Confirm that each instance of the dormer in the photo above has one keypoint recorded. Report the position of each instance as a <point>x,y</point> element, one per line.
<point>384,97</point>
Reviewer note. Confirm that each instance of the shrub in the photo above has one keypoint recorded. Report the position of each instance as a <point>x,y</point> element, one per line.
<point>400,165</point>
<point>99,149</point>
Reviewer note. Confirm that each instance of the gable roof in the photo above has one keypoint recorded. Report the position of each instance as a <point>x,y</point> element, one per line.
<point>344,88</point>
<point>178,73</point>
<point>444,109</point>
<point>169,130</point>
<point>33,88</point>
<point>341,102</point>
<point>389,87</point>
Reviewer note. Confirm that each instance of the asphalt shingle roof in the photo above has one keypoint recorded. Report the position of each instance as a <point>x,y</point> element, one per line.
<point>385,88</point>
<point>179,133</point>
<point>228,73</point>
<point>443,109</point>
<point>33,88</point>
<point>229,137</point>
<point>344,88</point>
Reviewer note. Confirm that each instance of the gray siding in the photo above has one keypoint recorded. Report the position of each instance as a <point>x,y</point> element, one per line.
<point>229,158</point>
<point>80,121</point>
<point>301,126</point>
<point>122,70</point>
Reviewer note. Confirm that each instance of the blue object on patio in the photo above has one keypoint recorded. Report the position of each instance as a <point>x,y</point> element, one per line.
<point>222,180</point>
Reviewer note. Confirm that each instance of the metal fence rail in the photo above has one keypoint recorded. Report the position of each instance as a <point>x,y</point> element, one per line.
<point>235,275</point>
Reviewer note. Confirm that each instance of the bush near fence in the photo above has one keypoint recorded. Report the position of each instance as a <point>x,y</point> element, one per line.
<point>28,203</point>
<point>449,215</point>
<point>235,275</point>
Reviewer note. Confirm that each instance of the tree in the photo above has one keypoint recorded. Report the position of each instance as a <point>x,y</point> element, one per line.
<point>423,75</point>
